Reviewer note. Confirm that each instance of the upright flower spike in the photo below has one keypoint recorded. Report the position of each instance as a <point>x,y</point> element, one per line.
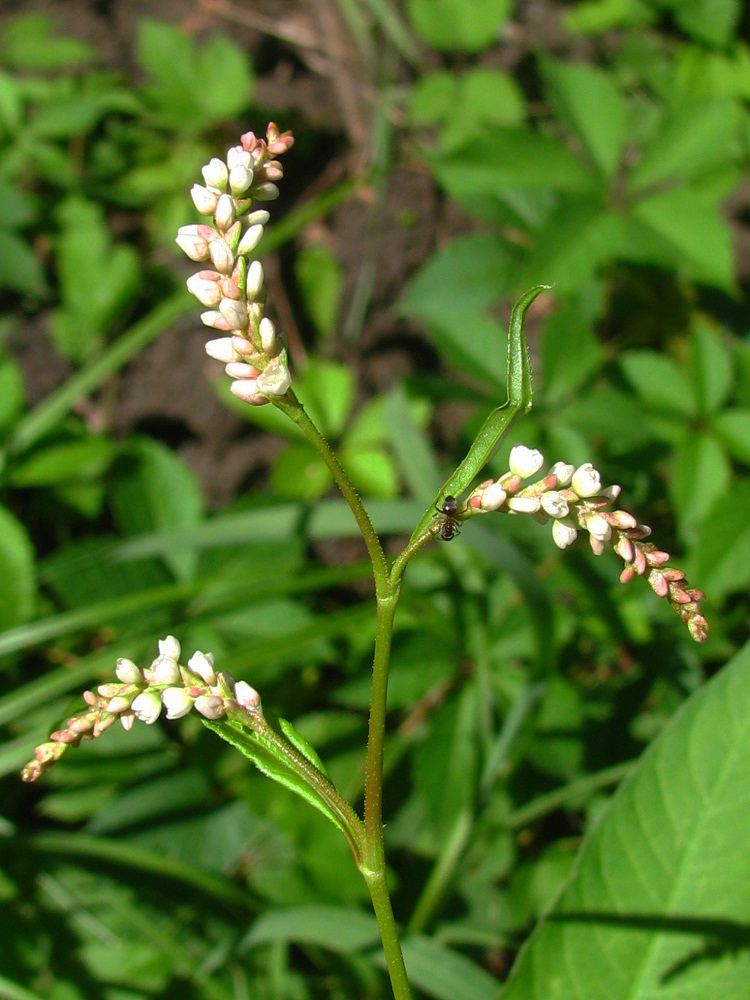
<point>141,694</point>
<point>234,291</point>
<point>574,500</point>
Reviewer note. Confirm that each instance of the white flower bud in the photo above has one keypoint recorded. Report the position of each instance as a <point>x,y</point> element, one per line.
<point>597,545</point>
<point>563,472</point>
<point>563,534</point>
<point>586,481</point>
<point>246,696</point>
<point>247,391</point>
<point>240,179</point>
<point>127,672</point>
<point>224,213</point>
<point>205,289</point>
<point>215,319</point>
<point>118,704</point>
<point>524,505</point>
<point>204,199</point>
<point>599,527</point>
<point>492,497</point>
<point>266,192</point>
<point>215,173</point>
<point>250,240</point>
<point>128,721</point>
<point>222,257</point>
<point>169,647</point>
<point>612,492</point>
<point>177,702</point>
<point>165,670</point>
<point>240,369</point>
<point>268,341</point>
<point>192,241</point>
<point>524,462</point>
<point>202,664</point>
<point>275,380</point>
<point>221,349</point>
<point>147,707</point>
<point>234,313</point>
<point>210,706</point>
<point>260,217</point>
<point>237,157</point>
<point>554,504</point>
<point>255,277</point>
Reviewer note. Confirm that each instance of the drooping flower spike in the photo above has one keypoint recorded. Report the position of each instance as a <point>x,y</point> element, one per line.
<point>233,291</point>
<point>143,694</point>
<point>574,500</point>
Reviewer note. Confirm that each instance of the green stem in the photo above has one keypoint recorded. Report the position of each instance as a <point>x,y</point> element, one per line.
<point>290,405</point>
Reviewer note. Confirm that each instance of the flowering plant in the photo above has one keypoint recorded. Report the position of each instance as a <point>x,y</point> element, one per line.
<point>255,359</point>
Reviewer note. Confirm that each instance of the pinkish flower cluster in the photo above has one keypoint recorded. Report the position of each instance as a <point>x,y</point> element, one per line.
<point>142,694</point>
<point>234,291</point>
<point>574,500</point>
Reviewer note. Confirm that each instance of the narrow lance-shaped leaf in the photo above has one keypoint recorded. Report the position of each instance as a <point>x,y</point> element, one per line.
<point>497,424</point>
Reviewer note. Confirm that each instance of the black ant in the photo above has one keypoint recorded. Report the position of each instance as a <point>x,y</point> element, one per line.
<point>450,526</point>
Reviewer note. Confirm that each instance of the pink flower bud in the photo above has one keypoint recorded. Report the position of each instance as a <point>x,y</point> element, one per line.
<point>597,545</point>
<point>247,391</point>
<point>273,170</point>
<point>221,256</point>
<point>239,369</point>
<point>624,549</point>
<point>215,319</point>
<point>221,349</point>
<point>639,562</point>
<point>658,584</point>
<point>205,287</point>
<point>246,696</point>
<point>627,574</point>
<point>118,704</point>
<point>621,519</point>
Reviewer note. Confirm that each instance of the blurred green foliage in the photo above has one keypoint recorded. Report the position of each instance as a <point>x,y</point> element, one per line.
<point>606,160</point>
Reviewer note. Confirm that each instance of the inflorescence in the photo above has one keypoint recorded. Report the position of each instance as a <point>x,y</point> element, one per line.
<point>142,694</point>
<point>234,293</point>
<point>574,500</point>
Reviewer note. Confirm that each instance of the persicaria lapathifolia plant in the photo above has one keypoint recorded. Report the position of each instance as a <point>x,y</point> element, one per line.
<point>571,498</point>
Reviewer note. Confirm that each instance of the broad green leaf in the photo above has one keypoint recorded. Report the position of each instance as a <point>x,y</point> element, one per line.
<point>455,26</point>
<point>468,341</point>
<point>17,572</point>
<point>658,381</point>
<point>154,490</point>
<point>320,278</point>
<point>224,79</point>
<point>327,390</point>
<point>98,281</point>
<point>695,234</point>
<point>722,552</point>
<point>329,927</point>
<point>710,21</point>
<point>662,886</point>
<point>511,158</point>
<point>695,136</point>
<point>706,74</point>
<point>34,42</point>
<point>305,748</point>
<point>20,268</point>
<point>444,974</point>
<point>53,464</point>
<point>569,349</point>
<point>732,426</point>
<point>300,473</point>
<point>701,473</point>
<point>588,101</point>
<point>371,469</point>
<point>711,367</point>
<point>594,17</point>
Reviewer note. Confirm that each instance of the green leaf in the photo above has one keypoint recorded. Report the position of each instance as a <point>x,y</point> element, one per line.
<point>455,26</point>
<point>98,281</point>
<point>327,390</point>
<point>701,474</point>
<point>65,462</point>
<point>11,392</point>
<point>155,491</point>
<point>331,927</point>
<point>594,17</point>
<point>695,235</point>
<point>659,898</point>
<point>710,21</point>
<point>569,349</point>
<point>733,428</point>
<point>320,278</point>
<point>34,42</point>
<point>711,367</point>
<point>20,268</point>
<point>371,469</point>
<point>588,101</point>
<point>17,572</point>
<point>695,136</point>
<point>658,381</point>
<point>299,473</point>
<point>722,552</point>
<point>444,974</point>
<point>305,748</point>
